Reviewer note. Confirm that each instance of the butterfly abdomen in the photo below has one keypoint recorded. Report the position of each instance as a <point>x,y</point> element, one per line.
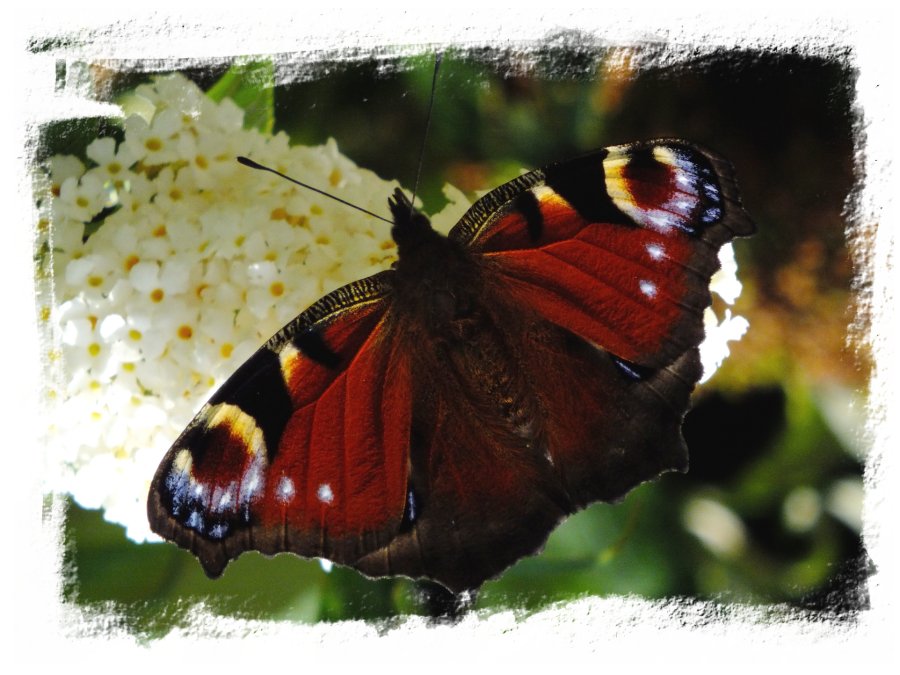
<point>458,330</point>
<point>487,367</point>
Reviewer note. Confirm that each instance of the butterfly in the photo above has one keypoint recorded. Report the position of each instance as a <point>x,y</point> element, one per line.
<point>439,419</point>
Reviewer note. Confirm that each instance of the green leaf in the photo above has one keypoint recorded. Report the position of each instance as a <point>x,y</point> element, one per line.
<point>252,87</point>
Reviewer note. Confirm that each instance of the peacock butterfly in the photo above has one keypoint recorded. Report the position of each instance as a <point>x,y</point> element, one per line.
<point>439,419</point>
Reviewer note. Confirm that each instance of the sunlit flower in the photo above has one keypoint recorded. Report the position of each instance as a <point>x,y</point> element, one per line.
<point>155,143</point>
<point>81,198</point>
<point>113,163</point>
<point>63,167</point>
<point>720,331</point>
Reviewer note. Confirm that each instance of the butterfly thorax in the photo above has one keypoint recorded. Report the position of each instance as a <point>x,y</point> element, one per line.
<point>439,283</point>
<point>436,280</point>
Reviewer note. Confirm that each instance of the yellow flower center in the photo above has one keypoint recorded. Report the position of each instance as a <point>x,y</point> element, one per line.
<point>185,332</point>
<point>157,294</point>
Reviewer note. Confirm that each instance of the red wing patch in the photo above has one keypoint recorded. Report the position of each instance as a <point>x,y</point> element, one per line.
<point>304,449</point>
<point>350,480</point>
<point>617,247</point>
<point>622,289</point>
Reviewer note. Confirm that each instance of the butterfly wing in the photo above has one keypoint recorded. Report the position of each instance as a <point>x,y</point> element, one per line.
<point>304,448</point>
<point>594,277</point>
<point>617,246</point>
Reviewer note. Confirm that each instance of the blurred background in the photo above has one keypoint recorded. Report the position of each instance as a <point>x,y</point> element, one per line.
<point>770,510</point>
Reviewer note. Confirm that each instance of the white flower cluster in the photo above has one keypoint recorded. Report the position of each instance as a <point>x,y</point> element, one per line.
<point>198,261</point>
<point>724,283</point>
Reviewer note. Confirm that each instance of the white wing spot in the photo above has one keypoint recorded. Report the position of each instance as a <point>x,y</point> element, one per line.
<point>656,251</point>
<point>252,484</point>
<point>225,500</point>
<point>660,220</point>
<point>195,521</point>
<point>648,288</point>
<point>324,493</point>
<point>285,490</point>
<point>198,489</point>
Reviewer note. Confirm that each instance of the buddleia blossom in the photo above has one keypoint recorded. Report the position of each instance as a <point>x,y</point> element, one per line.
<point>729,328</point>
<point>197,262</point>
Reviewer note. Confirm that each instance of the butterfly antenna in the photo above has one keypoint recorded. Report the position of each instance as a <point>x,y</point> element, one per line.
<point>437,65</point>
<point>246,161</point>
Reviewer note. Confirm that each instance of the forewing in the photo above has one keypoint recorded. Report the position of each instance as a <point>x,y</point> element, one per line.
<point>617,246</point>
<point>304,448</point>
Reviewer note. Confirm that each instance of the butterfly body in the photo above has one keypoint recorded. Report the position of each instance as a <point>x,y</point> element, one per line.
<point>439,419</point>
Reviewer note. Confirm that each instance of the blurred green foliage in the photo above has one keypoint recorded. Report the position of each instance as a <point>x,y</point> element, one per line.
<point>252,87</point>
<point>761,441</point>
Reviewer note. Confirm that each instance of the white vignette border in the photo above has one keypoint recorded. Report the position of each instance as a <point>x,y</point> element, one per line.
<point>620,628</point>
